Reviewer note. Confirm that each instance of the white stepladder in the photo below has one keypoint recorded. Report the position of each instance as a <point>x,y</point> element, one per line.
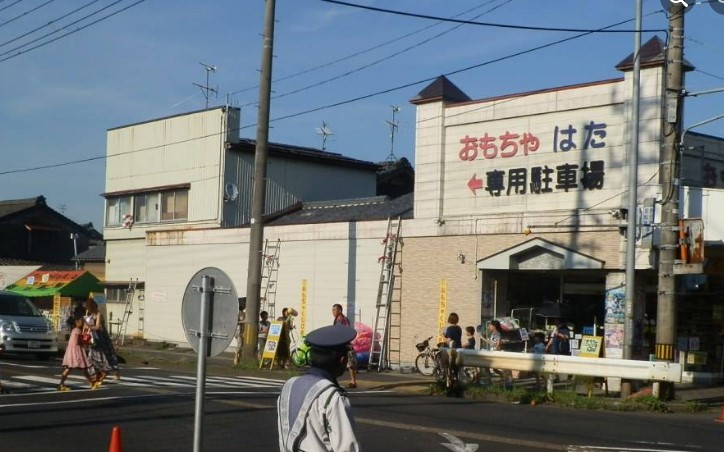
<point>127,311</point>
<point>386,332</point>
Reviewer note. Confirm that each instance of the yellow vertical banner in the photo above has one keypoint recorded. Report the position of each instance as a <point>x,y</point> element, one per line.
<point>56,311</point>
<point>303,309</point>
<point>442,307</point>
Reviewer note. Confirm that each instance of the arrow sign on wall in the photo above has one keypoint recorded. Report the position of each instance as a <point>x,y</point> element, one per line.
<point>475,184</point>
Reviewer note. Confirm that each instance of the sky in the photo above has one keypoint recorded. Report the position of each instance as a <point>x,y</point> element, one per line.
<point>58,98</point>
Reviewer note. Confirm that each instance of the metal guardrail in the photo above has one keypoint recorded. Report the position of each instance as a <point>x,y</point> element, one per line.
<point>561,364</point>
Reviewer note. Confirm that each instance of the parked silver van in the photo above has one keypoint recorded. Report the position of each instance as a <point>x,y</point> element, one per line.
<point>23,329</point>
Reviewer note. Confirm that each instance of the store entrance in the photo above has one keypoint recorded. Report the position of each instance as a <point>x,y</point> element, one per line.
<point>539,299</point>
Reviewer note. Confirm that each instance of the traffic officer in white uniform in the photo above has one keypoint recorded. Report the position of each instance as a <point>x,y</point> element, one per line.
<point>314,413</point>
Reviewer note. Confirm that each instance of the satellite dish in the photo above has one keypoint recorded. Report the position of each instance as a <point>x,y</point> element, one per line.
<point>231,192</point>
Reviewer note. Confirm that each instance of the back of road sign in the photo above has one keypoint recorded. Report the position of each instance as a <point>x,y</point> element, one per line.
<point>223,309</point>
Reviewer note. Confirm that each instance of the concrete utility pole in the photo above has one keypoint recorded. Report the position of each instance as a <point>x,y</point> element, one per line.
<point>632,200</point>
<point>669,179</point>
<point>256,237</point>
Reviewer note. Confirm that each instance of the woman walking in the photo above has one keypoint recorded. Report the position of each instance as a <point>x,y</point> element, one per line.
<point>101,354</point>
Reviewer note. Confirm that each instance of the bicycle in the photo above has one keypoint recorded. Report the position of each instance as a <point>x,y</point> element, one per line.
<point>426,361</point>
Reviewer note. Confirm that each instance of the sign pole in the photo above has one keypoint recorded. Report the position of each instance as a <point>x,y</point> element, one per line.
<point>203,334</point>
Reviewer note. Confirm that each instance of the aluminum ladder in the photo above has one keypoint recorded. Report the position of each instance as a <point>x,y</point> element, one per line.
<point>127,311</point>
<point>269,275</point>
<point>386,333</point>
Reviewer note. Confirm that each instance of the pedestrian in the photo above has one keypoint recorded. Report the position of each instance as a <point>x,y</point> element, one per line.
<point>495,343</point>
<point>539,348</point>
<point>313,412</point>
<point>469,338</point>
<point>285,339</point>
<point>241,318</point>
<point>75,356</point>
<point>494,339</point>
<point>453,333</point>
<point>560,340</point>
<point>341,319</point>
<point>263,331</point>
<point>101,354</point>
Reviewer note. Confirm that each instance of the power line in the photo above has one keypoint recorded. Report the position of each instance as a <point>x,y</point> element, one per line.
<point>70,32</point>
<point>48,23</point>
<point>10,5</point>
<point>364,51</point>
<point>484,24</point>
<point>13,19</point>
<point>336,104</point>
<point>378,61</point>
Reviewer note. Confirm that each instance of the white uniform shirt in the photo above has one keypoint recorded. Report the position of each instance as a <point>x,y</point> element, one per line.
<point>328,423</point>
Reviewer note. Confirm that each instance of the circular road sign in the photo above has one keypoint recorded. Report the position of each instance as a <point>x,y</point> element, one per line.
<point>223,309</point>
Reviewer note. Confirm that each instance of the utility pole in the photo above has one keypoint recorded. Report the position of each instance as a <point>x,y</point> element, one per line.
<point>256,235</point>
<point>632,219</point>
<point>669,179</point>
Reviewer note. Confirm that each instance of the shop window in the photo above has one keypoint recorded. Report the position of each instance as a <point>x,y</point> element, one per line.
<point>145,208</point>
<point>116,207</point>
<point>174,205</point>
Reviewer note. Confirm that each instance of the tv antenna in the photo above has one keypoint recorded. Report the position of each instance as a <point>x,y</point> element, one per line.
<point>324,132</point>
<point>394,125</point>
<point>206,89</point>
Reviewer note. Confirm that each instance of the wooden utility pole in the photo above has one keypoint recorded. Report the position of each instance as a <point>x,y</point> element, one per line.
<point>669,179</point>
<point>256,235</point>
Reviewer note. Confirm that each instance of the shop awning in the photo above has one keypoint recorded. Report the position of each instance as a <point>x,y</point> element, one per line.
<point>40,283</point>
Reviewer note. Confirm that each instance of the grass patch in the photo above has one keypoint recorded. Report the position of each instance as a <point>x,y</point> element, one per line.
<point>644,403</point>
<point>694,406</point>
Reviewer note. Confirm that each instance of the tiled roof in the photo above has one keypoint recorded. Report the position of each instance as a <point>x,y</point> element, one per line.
<point>359,209</point>
<point>652,53</point>
<point>95,254</point>
<point>304,153</point>
<point>441,89</point>
<point>12,206</point>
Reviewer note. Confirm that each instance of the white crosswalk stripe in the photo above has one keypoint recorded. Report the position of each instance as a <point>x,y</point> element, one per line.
<point>37,383</point>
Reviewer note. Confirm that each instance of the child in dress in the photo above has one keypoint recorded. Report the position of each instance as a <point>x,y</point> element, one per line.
<point>75,357</point>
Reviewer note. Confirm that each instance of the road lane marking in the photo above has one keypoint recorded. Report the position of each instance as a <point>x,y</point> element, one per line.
<point>460,433</point>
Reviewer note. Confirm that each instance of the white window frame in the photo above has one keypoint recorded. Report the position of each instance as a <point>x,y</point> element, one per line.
<point>174,214</point>
<point>152,205</point>
<point>115,209</point>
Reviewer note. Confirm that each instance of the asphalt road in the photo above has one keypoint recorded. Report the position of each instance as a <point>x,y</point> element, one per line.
<point>155,411</point>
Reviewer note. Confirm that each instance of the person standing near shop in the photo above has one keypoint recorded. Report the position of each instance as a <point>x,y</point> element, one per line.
<point>453,333</point>
<point>285,340</point>
<point>313,412</point>
<point>560,340</point>
<point>341,319</point>
<point>263,332</point>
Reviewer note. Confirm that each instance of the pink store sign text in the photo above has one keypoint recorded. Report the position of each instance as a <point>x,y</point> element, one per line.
<point>537,179</point>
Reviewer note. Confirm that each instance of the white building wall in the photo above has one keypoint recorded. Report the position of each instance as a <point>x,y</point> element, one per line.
<point>705,203</point>
<point>318,253</point>
<point>184,149</point>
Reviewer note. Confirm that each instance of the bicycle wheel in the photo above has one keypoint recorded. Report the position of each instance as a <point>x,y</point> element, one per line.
<point>425,364</point>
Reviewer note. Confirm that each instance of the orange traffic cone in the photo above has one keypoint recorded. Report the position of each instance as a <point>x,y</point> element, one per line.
<point>116,444</point>
<point>721,416</point>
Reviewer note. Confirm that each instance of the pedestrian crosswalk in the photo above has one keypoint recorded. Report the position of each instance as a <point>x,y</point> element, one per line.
<point>37,383</point>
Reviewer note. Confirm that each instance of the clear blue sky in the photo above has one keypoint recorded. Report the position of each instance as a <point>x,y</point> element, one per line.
<point>57,101</point>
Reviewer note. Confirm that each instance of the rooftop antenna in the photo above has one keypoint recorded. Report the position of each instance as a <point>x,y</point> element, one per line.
<point>394,125</point>
<point>324,132</point>
<point>206,89</point>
